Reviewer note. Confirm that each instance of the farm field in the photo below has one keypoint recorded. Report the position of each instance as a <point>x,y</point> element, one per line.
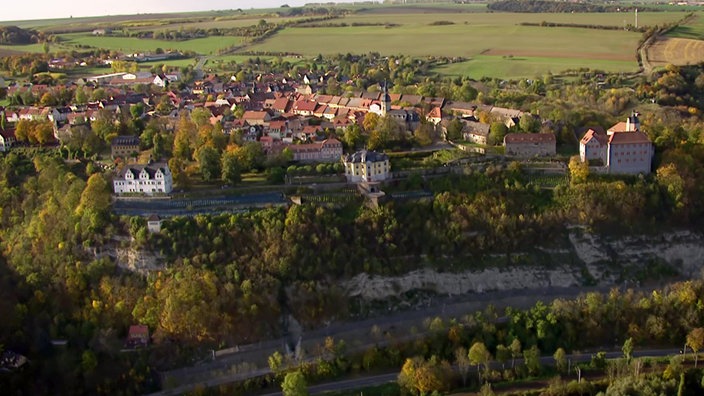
<point>682,45</point>
<point>511,19</point>
<point>457,40</point>
<point>207,45</point>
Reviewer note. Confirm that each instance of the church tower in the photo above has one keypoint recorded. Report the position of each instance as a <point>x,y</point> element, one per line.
<point>385,100</point>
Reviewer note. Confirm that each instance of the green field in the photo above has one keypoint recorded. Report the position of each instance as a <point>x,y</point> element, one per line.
<point>458,40</point>
<point>207,45</point>
<point>525,66</point>
<point>693,29</point>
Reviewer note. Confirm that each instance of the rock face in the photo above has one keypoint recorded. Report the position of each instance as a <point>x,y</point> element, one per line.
<point>378,288</point>
<point>682,251</point>
<point>139,260</point>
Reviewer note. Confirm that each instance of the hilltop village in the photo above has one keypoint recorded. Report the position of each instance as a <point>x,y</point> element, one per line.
<point>287,117</point>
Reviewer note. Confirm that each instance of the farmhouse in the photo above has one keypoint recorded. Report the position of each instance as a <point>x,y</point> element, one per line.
<point>144,179</point>
<point>475,132</point>
<point>366,166</point>
<point>530,144</point>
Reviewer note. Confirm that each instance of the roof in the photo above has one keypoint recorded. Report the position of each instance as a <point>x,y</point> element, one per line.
<point>150,168</point>
<point>138,331</point>
<point>518,138</point>
<point>366,156</point>
<point>620,127</point>
<point>255,115</point>
<point>129,140</point>
<point>305,105</point>
<point>591,133</point>
<point>435,113</point>
<point>477,128</point>
<point>151,219</point>
<point>628,138</point>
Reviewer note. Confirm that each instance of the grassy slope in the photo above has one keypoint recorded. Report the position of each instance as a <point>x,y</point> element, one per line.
<point>694,29</point>
<point>131,44</point>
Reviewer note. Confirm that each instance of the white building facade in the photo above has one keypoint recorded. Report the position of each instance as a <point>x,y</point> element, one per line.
<point>147,179</point>
<point>366,166</point>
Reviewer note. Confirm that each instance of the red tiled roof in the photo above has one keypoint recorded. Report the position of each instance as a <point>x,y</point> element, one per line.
<point>628,138</point>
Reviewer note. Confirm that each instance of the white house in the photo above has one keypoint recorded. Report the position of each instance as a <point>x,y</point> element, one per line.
<point>623,150</point>
<point>144,179</point>
<point>366,166</point>
<point>7,139</point>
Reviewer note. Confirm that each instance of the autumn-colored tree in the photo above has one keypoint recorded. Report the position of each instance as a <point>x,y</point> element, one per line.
<point>423,376</point>
<point>294,384</point>
<point>579,171</point>
<point>479,355</point>
<point>695,340</point>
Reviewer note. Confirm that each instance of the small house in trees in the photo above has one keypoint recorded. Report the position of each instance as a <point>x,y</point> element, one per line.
<point>7,139</point>
<point>154,224</point>
<point>137,337</point>
<point>530,144</point>
<point>124,146</point>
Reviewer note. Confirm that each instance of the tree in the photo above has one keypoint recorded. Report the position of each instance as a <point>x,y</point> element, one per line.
<point>463,363</point>
<point>94,205</point>
<point>44,132</point>
<point>695,340</point>
<point>579,171</point>
<point>209,163</point>
<point>250,155</point>
<point>370,122</point>
<point>531,358</point>
<point>560,360</point>
<point>454,130</point>
<point>423,376</point>
<point>231,172</point>
<point>425,134</point>
<point>528,123</point>
<point>502,354</point>
<point>515,351</point>
<point>497,131</point>
<point>478,354</point>
<point>294,384</point>
<point>628,349</point>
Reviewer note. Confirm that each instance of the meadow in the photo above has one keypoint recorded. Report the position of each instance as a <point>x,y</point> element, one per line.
<point>207,45</point>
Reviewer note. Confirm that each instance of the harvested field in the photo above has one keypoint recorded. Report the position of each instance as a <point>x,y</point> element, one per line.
<point>676,51</point>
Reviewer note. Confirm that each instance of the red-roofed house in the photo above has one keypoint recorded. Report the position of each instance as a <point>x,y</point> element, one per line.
<point>593,146</point>
<point>138,336</point>
<point>435,115</point>
<point>256,117</point>
<point>624,149</point>
<point>304,107</point>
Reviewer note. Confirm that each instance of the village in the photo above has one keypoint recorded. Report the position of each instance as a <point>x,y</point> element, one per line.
<point>285,114</point>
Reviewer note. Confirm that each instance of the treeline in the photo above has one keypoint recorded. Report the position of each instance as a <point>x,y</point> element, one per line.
<point>13,35</point>
<point>629,27</point>
<point>540,6</point>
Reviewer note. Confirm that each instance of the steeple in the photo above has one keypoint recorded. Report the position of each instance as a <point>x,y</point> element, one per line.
<point>386,100</point>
